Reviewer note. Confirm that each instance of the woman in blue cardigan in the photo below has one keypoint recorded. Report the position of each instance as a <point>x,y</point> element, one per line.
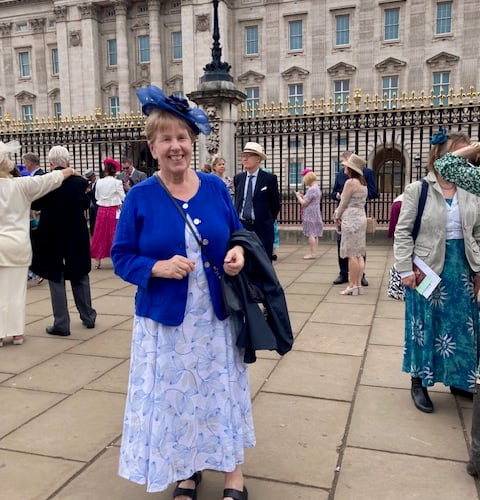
<point>188,404</point>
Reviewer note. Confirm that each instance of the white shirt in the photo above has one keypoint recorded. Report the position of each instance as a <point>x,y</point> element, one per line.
<point>109,192</point>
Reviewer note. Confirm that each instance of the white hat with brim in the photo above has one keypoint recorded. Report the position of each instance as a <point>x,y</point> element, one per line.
<point>89,173</point>
<point>255,148</point>
<point>355,163</point>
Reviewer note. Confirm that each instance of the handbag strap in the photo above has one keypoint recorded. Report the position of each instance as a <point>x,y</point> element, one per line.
<point>189,224</point>
<point>421,205</point>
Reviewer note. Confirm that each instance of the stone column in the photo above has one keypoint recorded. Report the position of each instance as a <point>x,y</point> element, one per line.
<point>40,65</point>
<point>64,59</point>
<point>90,43</point>
<point>123,68</point>
<point>156,52</point>
<point>8,64</point>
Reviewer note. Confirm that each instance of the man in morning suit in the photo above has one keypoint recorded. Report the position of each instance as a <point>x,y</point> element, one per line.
<point>257,199</point>
<point>63,246</point>
<point>337,189</point>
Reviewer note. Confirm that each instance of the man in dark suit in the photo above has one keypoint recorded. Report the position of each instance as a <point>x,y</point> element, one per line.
<point>130,175</point>
<point>257,199</point>
<point>337,189</point>
<point>32,164</point>
<point>63,246</point>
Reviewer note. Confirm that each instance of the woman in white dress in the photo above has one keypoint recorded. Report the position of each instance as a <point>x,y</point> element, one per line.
<point>188,405</point>
<point>16,196</point>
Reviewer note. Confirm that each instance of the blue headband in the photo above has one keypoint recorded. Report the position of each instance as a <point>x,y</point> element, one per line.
<point>440,137</point>
<point>152,98</point>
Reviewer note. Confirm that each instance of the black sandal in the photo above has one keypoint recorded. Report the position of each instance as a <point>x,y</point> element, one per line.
<point>187,492</point>
<point>235,494</point>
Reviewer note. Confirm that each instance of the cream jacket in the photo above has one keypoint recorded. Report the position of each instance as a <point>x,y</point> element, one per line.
<point>430,243</point>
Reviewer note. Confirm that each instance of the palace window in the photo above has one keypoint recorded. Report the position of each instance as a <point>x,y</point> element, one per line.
<point>177,50</point>
<point>342,30</point>
<point>57,110</point>
<point>441,86</point>
<point>251,40</point>
<point>253,100</point>
<point>27,113</point>
<point>55,64</point>
<point>143,49</point>
<point>340,94</point>
<point>24,64</point>
<point>112,52</point>
<point>295,35</point>
<point>392,24</point>
<point>295,98</point>
<point>390,90</point>
<point>114,106</point>
<point>443,23</point>
<point>294,173</point>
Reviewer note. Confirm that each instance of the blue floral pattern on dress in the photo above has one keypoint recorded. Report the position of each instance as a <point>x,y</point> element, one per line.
<point>188,405</point>
<point>442,333</point>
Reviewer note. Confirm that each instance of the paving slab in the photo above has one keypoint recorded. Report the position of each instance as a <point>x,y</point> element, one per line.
<point>33,477</point>
<point>387,331</point>
<point>297,439</point>
<point>78,428</point>
<point>317,375</point>
<point>369,475</point>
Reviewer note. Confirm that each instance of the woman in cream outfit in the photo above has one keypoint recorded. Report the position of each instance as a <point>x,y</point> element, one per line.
<point>16,195</point>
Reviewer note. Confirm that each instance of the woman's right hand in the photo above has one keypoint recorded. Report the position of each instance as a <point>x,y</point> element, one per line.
<point>410,281</point>
<point>175,268</point>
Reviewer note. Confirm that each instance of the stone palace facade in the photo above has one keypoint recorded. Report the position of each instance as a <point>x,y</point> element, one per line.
<point>69,57</point>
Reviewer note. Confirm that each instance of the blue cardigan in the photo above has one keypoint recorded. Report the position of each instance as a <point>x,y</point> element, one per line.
<point>151,229</point>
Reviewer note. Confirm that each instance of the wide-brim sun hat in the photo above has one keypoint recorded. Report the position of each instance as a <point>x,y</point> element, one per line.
<point>254,147</point>
<point>356,163</point>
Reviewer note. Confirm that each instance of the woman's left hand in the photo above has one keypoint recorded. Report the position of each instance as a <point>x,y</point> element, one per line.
<point>234,261</point>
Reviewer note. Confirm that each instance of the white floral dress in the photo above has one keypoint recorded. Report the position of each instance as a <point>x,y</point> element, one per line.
<point>188,405</point>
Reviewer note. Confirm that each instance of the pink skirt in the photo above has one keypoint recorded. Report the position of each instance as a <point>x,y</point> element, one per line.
<point>104,232</point>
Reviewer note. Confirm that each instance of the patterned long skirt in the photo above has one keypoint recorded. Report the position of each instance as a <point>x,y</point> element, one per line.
<point>442,332</point>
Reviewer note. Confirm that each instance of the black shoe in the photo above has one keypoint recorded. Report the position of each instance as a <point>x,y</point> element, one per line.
<point>188,492</point>
<point>340,280</point>
<point>460,392</point>
<point>364,281</point>
<point>420,396</point>
<point>88,325</point>
<point>50,330</point>
<point>274,256</point>
<point>236,494</point>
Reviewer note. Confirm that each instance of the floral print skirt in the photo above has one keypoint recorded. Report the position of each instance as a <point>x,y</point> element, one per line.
<point>188,405</point>
<point>442,332</point>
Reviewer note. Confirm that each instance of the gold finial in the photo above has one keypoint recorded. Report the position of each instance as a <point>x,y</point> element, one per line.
<point>357,97</point>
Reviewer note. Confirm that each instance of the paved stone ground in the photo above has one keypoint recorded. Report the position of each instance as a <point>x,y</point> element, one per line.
<point>334,418</point>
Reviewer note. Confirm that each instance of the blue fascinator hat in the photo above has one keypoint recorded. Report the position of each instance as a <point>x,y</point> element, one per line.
<point>153,98</point>
<point>440,137</point>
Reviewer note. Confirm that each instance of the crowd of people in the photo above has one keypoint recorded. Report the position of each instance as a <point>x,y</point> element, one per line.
<point>176,256</point>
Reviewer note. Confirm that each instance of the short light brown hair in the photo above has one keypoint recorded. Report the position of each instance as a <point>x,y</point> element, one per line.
<point>159,120</point>
<point>6,166</point>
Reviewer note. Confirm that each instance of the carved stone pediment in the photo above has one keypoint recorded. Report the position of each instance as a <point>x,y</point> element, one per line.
<point>38,25</point>
<point>75,38</point>
<point>250,77</point>
<point>390,64</point>
<point>174,84</point>
<point>60,13</point>
<point>341,69</point>
<point>54,94</point>
<point>443,59</point>
<point>140,24</point>
<point>202,22</point>
<point>25,97</point>
<point>5,29</point>
<point>88,10</point>
<point>110,88</point>
<point>141,82</point>
<point>295,73</point>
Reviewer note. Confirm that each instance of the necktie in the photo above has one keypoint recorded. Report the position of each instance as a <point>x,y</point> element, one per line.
<point>248,206</point>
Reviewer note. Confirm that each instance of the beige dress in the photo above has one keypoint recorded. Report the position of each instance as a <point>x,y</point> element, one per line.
<point>354,219</point>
